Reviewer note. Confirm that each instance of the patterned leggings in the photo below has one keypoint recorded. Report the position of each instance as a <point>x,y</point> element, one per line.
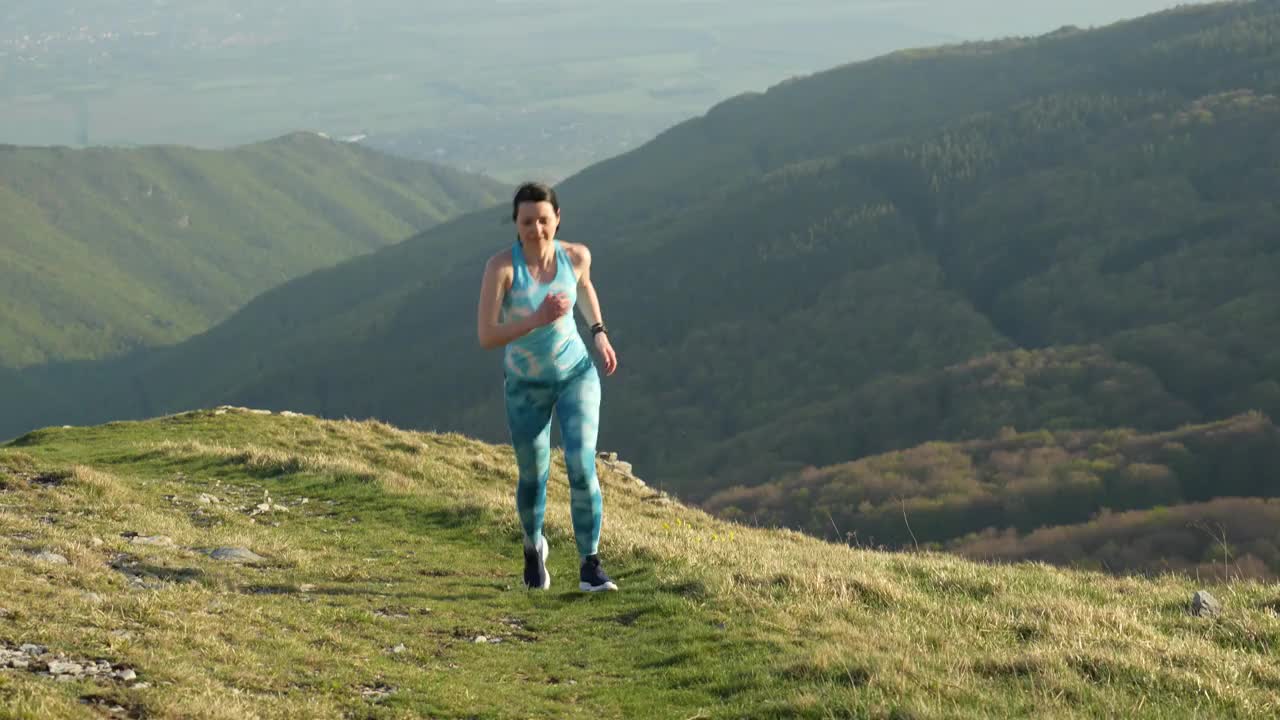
<point>576,401</point>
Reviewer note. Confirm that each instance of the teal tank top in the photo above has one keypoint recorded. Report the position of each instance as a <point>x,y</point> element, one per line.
<point>552,352</point>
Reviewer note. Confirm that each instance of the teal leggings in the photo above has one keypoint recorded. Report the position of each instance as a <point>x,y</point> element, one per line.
<point>576,401</point>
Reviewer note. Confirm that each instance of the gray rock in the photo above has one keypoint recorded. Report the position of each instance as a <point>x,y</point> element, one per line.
<point>158,540</point>
<point>52,558</point>
<point>236,554</point>
<point>63,667</point>
<point>399,649</point>
<point>1205,605</point>
<point>33,650</point>
<point>127,675</point>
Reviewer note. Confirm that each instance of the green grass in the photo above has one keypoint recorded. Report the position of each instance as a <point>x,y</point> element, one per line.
<point>392,537</point>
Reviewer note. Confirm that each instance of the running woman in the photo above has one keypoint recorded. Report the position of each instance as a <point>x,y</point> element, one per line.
<point>526,302</point>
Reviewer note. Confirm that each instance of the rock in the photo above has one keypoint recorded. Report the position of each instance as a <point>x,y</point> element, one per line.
<point>5,613</point>
<point>33,650</point>
<point>62,667</point>
<point>289,414</point>
<point>207,499</point>
<point>306,587</point>
<point>126,675</point>
<point>51,558</point>
<point>97,542</point>
<point>158,540</point>
<point>480,639</point>
<point>1205,605</point>
<point>399,648</point>
<point>236,554</point>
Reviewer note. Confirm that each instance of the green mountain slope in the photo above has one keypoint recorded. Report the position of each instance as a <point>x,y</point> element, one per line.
<point>105,250</point>
<point>778,273</point>
<point>386,585</point>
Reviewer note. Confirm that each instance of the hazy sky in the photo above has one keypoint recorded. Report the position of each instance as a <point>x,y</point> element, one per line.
<point>448,79</point>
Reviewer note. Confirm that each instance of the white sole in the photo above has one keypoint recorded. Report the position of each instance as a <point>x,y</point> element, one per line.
<point>588,587</point>
<point>545,552</point>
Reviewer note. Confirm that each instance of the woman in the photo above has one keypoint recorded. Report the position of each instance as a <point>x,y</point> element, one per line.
<point>526,297</point>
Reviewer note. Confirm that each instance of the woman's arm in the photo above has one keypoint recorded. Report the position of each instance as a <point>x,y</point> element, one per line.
<point>492,333</point>
<point>589,306</point>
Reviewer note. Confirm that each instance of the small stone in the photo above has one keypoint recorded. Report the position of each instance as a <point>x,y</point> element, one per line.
<point>5,612</point>
<point>1205,605</point>
<point>51,558</point>
<point>33,649</point>
<point>207,499</point>
<point>62,667</point>
<point>306,587</point>
<point>480,639</point>
<point>127,675</point>
<point>236,554</point>
<point>140,685</point>
<point>157,540</point>
<point>97,542</point>
<point>19,663</point>
<point>399,648</point>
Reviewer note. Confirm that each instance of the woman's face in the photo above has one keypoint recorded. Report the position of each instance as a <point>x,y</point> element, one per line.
<point>537,221</point>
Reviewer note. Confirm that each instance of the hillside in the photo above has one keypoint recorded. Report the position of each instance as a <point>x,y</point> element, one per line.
<point>104,250</point>
<point>1058,496</point>
<point>1068,232</point>
<point>384,584</point>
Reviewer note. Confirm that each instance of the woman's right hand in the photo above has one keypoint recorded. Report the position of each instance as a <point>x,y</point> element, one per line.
<point>553,307</point>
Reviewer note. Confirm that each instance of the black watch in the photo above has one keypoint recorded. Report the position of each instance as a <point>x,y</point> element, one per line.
<point>599,328</point>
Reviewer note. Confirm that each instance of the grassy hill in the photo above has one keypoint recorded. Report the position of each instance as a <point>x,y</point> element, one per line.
<point>386,585</point>
<point>105,250</point>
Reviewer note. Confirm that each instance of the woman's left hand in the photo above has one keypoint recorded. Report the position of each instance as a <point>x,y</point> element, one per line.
<point>605,348</point>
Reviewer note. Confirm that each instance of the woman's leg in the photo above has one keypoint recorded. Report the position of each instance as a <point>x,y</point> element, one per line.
<point>578,410</point>
<point>529,421</point>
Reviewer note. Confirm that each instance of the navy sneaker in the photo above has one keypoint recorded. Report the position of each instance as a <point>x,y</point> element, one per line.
<point>536,576</point>
<point>591,578</point>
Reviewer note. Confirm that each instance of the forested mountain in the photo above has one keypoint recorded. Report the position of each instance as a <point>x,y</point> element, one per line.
<point>103,250</point>
<point>1077,231</point>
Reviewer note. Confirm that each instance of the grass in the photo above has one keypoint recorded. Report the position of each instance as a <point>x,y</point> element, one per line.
<point>376,538</point>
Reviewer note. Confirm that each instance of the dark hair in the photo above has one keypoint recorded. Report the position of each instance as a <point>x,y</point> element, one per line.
<point>533,192</point>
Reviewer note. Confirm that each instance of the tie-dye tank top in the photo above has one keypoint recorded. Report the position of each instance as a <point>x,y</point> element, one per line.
<point>551,352</point>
